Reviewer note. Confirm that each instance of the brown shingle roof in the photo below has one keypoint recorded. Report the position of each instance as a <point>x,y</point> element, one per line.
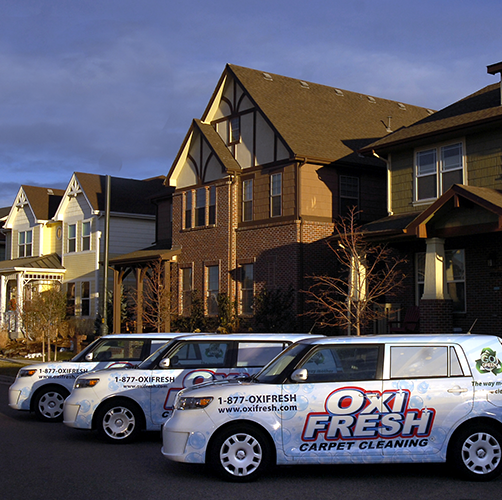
<point>321,122</point>
<point>479,108</point>
<point>127,195</point>
<point>43,201</point>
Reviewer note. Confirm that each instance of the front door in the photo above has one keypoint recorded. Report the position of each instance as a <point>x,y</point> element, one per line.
<point>335,414</point>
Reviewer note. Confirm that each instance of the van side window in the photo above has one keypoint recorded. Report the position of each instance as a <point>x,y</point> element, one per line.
<point>455,367</point>
<point>258,353</point>
<point>342,363</point>
<point>200,355</point>
<point>418,361</point>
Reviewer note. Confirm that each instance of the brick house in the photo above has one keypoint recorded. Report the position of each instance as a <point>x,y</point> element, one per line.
<point>445,212</point>
<point>259,180</point>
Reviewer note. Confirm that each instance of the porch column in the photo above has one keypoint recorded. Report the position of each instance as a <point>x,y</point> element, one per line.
<point>436,307</point>
<point>140,276</point>
<point>117,299</point>
<point>435,272</point>
<point>167,297</point>
<point>19,301</point>
<point>3,298</point>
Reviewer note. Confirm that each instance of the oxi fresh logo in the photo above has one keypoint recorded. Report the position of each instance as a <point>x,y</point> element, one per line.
<point>488,362</point>
<point>352,413</point>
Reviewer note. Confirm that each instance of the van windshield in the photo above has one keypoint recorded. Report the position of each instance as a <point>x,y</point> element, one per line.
<point>275,372</point>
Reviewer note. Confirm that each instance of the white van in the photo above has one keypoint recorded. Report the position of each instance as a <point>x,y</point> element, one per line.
<point>43,387</point>
<point>119,403</point>
<point>351,400</point>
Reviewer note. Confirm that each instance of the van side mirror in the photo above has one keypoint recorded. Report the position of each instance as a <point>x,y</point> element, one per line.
<point>165,363</point>
<point>88,356</point>
<point>300,375</point>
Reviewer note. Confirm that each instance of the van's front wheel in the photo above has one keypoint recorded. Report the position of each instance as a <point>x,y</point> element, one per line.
<point>240,453</point>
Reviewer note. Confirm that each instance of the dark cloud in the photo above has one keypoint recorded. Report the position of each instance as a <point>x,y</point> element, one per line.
<point>113,85</point>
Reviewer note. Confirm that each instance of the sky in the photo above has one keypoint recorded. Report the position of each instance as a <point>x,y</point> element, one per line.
<point>111,86</point>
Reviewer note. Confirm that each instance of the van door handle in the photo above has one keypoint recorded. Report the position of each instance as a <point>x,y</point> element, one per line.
<point>457,390</point>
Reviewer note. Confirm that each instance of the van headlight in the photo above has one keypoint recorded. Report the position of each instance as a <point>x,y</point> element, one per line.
<point>187,403</point>
<point>86,382</point>
<point>25,372</point>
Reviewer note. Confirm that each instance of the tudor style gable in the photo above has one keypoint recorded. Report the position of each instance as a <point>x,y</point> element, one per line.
<point>242,126</point>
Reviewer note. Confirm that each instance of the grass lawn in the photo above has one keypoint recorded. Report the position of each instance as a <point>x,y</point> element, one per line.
<point>8,368</point>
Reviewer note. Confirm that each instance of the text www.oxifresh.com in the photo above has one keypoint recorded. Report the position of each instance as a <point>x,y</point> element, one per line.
<point>257,409</point>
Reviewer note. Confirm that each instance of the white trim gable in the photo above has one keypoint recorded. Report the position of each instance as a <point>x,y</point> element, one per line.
<point>197,162</point>
<point>73,190</point>
<point>20,203</point>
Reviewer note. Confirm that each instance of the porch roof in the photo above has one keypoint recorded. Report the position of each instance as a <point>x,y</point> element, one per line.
<point>149,254</point>
<point>46,263</point>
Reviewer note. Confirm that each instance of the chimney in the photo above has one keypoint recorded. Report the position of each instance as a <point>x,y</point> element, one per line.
<point>493,69</point>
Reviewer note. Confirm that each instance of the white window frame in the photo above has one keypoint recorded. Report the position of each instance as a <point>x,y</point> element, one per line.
<point>200,207</point>
<point>188,212</point>
<point>438,168</point>
<point>72,239</point>
<point>212,289</point>
<point>247,292</point>
<point>275,194</point>
<point>247,200</point>
<point>85,299</point>
<point>186,292</point>
<point>25,247</point>
<point>211,210</point>
<point>86,239</point>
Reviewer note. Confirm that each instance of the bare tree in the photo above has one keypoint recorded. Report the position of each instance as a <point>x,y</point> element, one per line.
<point>156,299</point>
<point>367,275</point>
<point>44,318</point>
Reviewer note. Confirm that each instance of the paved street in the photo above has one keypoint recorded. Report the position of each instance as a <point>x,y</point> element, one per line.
<point>51,461</point>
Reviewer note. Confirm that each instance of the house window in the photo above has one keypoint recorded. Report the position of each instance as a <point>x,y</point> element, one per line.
<point>247,288</point>
<point>455,277</point>
<point>72,238</point>
<point>70,299</point>
<point>188,209</point>
<point>437,169</point>
<point>247,199</point>
<point>213,289</point>
<point>85,295</point>
<point>235,130</point>
<point>86,236</point>
<point>25,240</point>
<point>349,194</point>
<point>200,207</point>
<point>186,289</point>
<point>212,205</point>
<point>276,195</point>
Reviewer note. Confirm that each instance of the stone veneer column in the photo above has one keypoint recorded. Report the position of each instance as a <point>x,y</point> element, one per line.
<point>436,307</point>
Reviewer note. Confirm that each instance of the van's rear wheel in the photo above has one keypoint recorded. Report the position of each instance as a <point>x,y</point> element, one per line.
<point>477,453</point>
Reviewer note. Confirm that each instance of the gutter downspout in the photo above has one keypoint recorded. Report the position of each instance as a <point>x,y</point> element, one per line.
<point>389,182</point>
<point>300,304</point>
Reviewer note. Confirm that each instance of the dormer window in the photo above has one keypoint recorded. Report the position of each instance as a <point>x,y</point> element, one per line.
<point>235,130</point>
